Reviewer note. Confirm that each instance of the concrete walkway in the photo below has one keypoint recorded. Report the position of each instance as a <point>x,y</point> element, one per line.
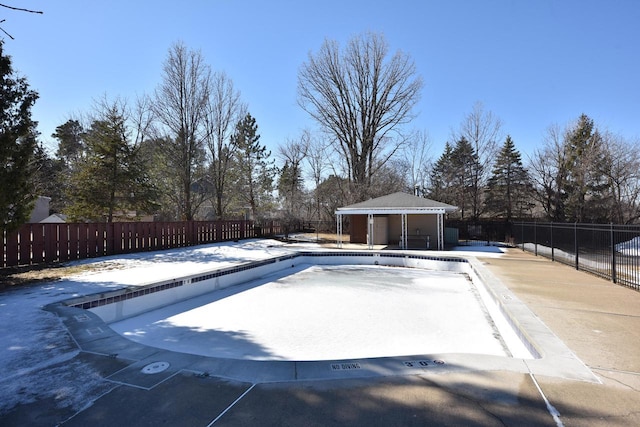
<point>597,320</point>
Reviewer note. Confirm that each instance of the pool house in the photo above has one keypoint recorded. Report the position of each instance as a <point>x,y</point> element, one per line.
<point>409,221</point>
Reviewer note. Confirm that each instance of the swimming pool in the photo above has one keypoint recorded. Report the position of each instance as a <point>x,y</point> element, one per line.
<point>518,340</point>
<point>325,312</point>
<point>343,306</point>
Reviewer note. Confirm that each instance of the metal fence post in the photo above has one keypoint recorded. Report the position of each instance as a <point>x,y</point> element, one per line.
<point>535,238</point>
<point>551,234</point>
<point>575,244</point>
<point>614,279</point>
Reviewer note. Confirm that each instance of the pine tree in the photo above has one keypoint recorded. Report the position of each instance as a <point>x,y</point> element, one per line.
<point>290,187</point>
<point>71,148</point>
<point>441,177</point>
<point>111,179</point>
<point>256,171</point>
<point>464,162</point>
<point>70,136</point>
<point>509,187</point>
<point>585,185</point>
<point>17,146</point>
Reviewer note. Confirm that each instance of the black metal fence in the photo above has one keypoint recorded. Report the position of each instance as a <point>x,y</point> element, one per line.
<point>480,233</point>
<point>607,250</point>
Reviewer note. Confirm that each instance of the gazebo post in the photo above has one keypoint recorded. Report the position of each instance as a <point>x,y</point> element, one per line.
<point>339,230</point>
<point>403,235</point>
<point>440,231</point>
<point>370,231</point>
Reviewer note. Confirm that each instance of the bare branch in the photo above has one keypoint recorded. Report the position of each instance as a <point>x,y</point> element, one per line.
<point>360,96</point>
<point>21,9</point>
<point>18,9</point>
<point>8,35</point>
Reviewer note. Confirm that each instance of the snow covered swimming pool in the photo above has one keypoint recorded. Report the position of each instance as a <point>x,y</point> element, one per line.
<point>319,306</point>
<point>327,312</point>
<point>524,344</point>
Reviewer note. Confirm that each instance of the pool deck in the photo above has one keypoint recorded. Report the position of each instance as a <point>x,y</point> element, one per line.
<point>598,321</point>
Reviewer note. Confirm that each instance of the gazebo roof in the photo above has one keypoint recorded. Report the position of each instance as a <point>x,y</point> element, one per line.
<point>397,203</point>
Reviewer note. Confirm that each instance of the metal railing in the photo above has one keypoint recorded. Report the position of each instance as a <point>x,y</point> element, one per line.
<point>607,250</point>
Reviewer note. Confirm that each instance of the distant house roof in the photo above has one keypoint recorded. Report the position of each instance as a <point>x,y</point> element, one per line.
<point>397,203</point>
<point>40,209</point>
<point>56,218</point>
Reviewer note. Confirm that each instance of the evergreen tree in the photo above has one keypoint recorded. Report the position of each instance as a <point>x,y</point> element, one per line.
<point>441,177</point>
<point>111,179</point>
<point>332,193</point>
<point>256,171</point>
<point>70,136</point>
<point>46,180</point>
<point>290,186</point>
<point>509,187</point>
<point>165,181</point>
<point>71,148</point>
<point>291,195</point>
<point>585,185</point>
<point>17,146</point>
<point>464,162</point>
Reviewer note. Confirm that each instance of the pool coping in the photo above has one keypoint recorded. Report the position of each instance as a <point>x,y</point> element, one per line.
<point>93,335</point>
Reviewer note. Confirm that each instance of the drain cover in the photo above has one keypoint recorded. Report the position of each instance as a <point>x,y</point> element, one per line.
<point>82,317</point>
<point>155,368</point>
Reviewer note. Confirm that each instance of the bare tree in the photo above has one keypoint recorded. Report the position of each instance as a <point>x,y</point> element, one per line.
<point>416,161</point>
<point>622,171</point>
<point>548,170</point>
<point>224,109</point>
<point>180,107</point>
<point>141,117</point>
<point>360,97</point>
<point>483,131</point>
<point>317,163</point>
<point>291,181</point>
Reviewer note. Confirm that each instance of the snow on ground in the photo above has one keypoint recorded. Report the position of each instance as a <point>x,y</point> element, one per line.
<point>630,247</point>
<point>38,358</point>
<point>36,353</point>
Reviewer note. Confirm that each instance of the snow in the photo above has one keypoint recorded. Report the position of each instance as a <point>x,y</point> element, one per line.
<point>36,353</point>
<point>38,359</point>
<point>630,247</point>
<point>326,313</point>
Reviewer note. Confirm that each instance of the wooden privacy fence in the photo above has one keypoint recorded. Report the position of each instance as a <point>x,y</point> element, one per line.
<point>44,243</point>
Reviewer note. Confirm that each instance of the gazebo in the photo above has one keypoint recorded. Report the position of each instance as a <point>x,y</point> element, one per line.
<point>416,221</point>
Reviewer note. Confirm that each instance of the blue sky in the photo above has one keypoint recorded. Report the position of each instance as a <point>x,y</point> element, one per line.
<point>532,63</point>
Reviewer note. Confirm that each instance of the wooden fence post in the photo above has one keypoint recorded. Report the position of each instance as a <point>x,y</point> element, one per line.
<point>12,249</point>
<point>37,250</point>
<point>51,238</point>
<point>25,244</point>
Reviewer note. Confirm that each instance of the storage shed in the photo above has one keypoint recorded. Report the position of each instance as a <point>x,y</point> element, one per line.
<point>398,218</point>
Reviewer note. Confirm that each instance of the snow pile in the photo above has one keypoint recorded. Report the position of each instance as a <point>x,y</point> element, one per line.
<point>630,247</point>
